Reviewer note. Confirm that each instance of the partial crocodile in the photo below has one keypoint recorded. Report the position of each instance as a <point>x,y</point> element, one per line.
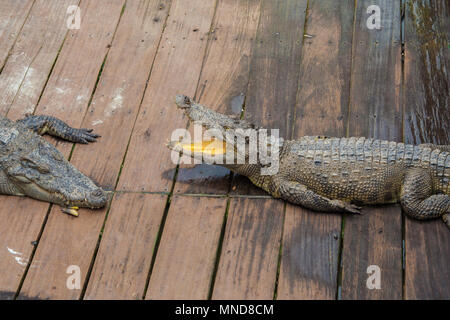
<point>334,174</point>
<point>31,166</point>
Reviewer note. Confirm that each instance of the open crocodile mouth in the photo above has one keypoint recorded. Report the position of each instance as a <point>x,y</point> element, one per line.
<point>212,147</point>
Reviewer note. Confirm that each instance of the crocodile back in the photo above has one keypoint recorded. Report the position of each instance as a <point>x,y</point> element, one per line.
<point>351,161</point>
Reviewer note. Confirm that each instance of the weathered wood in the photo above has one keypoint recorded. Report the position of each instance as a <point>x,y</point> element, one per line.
<point>26,71</point>
<point>12,17</point>
<point>426,73</point>
<point>375,111</point>
<point>176,70</point>
<point>373,239</point>
<point>274,73</point>
<point>426,104</point>
<point>249,259</point>
<point>223,84</point>
<point>270,102</point>
<point>120,90</point>
<point>182,270</point>
<point>310,248</point>
<point>75,246</point>
<point>124,256</point>
<point>310,251</point>
<point>22,219</point>
<point>29,63</point>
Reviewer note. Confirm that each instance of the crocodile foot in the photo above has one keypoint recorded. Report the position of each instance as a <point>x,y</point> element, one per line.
<point>346,207</point>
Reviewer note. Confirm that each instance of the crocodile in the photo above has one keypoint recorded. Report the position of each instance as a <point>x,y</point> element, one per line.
<point>31,166</point>
<point>331,174</point>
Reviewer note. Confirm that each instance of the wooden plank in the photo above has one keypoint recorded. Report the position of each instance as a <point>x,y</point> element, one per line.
<point>182,270</point>
<point>123,260</point>
<point>426,75</point>
<point>22,219</point>
<point>119,93</point>
<point>176,70</point>
<point>270,101</point>
<point>310,251</point>
<point>426,104</point>
<point>372,239</point>
<point>274,73</point>
<point>223,84</point>
<point>250,251</point>
<point>31,59</point>
<point>375,111</point>
<point>13,14</point>
<point>310,248</point>
<point>44,28</point>
<point>75,74</point>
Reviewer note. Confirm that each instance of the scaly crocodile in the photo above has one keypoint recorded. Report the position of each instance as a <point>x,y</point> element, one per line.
<point>335,174</point>
<point>31,166</point>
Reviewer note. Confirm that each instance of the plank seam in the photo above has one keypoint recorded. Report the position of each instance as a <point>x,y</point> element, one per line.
<point>339,275</point>
<point>228,195</point>
<point>18,34</point>
<point>219,250</point>
<point>175,176</point>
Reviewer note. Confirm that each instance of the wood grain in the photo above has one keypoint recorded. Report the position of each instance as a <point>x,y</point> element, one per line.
<point>426,104</point>
<point>123,259</point>
<point>66,240</point>
<point>270,101</point>
<point>375,111</point>
<point>372,239</point>
<point>176,70</point>
<point>310,246</point>
<point>13,14</point>
<point>274,73</point>
<point>250,250</point>
<point>30,62</point>
<point>22,219</point>
<point>187,252</point>
<point>120,90</point>
<point>223,84</point>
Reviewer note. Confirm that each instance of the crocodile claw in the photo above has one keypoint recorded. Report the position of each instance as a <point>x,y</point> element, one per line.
<point>85,136</point>
<point>347,207</point>
<point>351,208</point>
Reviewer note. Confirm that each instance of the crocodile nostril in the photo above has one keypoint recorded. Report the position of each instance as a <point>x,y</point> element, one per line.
<point>97,193</point>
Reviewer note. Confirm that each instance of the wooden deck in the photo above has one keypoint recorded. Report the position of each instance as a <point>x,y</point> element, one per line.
<point>304,67</point>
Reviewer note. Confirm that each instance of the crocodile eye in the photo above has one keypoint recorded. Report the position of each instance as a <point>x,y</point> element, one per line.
<point>42,169</point>
<point>33,165</point>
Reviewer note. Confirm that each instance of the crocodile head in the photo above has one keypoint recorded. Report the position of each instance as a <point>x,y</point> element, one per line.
<point>225,138</point>
<point>31,166</point>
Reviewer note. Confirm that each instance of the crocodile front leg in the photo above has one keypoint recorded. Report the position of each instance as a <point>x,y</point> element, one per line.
<point>297,193</point>
<point>417,198</point>
<point>47,124</point>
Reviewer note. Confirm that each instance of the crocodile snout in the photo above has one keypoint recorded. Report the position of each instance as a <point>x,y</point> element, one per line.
<point>183,101</point>
<point>97,198</point>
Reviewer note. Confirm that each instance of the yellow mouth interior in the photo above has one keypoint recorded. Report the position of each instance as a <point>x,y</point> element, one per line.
<point>212,148</point>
